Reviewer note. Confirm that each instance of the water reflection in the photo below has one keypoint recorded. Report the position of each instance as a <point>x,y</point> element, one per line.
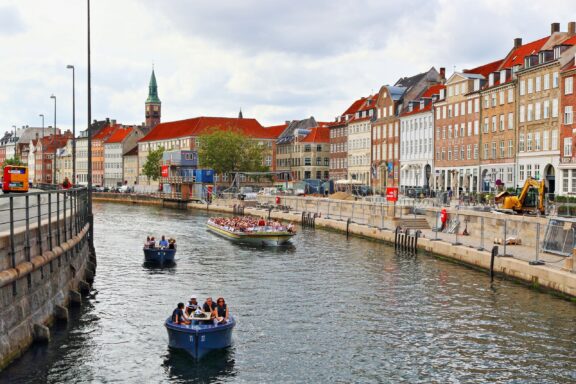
<point>215,367</point>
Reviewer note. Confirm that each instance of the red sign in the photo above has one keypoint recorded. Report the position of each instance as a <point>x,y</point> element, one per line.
<point>392,194</point>
<point>165,171</point>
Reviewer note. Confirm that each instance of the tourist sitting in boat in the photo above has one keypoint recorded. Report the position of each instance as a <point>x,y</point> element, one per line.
<point>178,316</point>
<point>147,243</point>
<point>209,306</point>
<point>171,243</point>
<point>248,224</point>
<point>221,311</point>
<point>163,243</point>
<point>290,228</point>
<point>192,306</point>
<point>152,243</point>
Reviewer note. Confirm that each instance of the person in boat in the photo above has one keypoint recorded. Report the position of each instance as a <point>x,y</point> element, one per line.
<point>163,243</point>
<point>221,311</point>
<point>209,306</point>
<point>152,243</point>
<point>171,244</point>
<point>147,243</point>
<point>261,222</point>
<point>192,306</point>
<point>178,316</point>
<point>290,228</point>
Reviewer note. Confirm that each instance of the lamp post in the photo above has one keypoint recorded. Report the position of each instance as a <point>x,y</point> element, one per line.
<point>90,218</point>
<point>41,152</point>
<point>73,123</point>
<point>53,137</point>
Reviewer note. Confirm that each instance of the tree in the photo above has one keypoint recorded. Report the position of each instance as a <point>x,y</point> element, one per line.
<point>152,168</point>
<point>228,151</point>
<point>13,161</point>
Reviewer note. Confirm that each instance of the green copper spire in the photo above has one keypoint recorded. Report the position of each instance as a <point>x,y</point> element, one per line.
<point>153,90</point>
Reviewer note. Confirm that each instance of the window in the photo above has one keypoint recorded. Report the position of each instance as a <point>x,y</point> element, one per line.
<point>573,181</point>
<point>546,81</point>
<point>485,125</point>
<point>475,151</point>
<point>568,146</point>
<point>554,107</point>
<point>462,129</point>
<point>545,140</point>
<point>537,111</point>
<point>522,87</point>
<point>555,80</point>
<point>493,149</point>
<point>568,114</point>
<point>462,152</point>
<point>537,84</point>
<point>554,140</point>
<point>529,142</point>
<point>509,175</point>
<point>568,85</point>
<point>456,110</point>
<point>318,161</point>
<point>307,161</point>
<point>529,170</point>
<point>537,141</point>
<point>502,149</point>
<point>511,120</point>
<point>319,148</point>
<point>530,112</point>
<point>501,97</point>
<point>546,108</point>
<point>493,123</point>
<point>456,152</point>
<point>469,128</point>
<point>493,99</point>
<point>449,154</point>
<point>522,113</point>
<point>469,151</point>
<point>510,148</point>
<point>565,180</point>
<point>511,95</point>
<point>476,127</point>
<point>501,122</point>
<point>521,172</point>
<point>486,101</point>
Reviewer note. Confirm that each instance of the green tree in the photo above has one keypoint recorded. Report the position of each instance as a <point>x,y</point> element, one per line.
<point>152,168</point>
<point>13,161</point>
<point>228,151</point>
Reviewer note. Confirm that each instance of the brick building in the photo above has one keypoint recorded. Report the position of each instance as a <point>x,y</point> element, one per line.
<point>339,142</point>
<point>567,130</point>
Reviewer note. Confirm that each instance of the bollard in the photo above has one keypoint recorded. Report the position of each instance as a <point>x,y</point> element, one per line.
<point>417,236</point>
<point>41,333</point>
<point>537,261</point>
<point>60,312</point>
<point>492,256</point>
<point>348,227</point>
<point>328,213</point>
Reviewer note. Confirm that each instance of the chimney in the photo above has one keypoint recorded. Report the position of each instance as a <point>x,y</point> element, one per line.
<point>517,42</point>
<point>442,74</point>
<point>572,28</point>
<point>554,28</point>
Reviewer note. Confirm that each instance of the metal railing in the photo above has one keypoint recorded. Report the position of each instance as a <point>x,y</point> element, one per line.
<point>51,217</point>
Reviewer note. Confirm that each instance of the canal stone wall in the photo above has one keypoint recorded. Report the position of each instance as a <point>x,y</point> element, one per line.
<point>44,267</point>
<point>377,221</point>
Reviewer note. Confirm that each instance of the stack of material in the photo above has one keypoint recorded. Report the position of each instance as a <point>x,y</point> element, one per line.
<point>342,196</point>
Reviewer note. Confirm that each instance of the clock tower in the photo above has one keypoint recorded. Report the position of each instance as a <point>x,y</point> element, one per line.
<point>153,104</point>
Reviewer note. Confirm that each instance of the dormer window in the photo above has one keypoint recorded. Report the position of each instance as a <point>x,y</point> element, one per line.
<point>421,104</point>
<point>491,80</point>
<point>557,52</point>
<point>476,84</point>
<point>442,94</point>
<point>503,76</point>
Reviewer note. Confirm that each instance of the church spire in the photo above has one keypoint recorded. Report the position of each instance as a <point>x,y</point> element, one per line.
<point>153,104</point>
<point>240,114</point>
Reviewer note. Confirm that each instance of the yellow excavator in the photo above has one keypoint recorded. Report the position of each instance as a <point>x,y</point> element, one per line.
<point>519,204</point>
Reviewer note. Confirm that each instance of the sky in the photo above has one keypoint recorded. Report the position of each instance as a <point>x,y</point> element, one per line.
<point>276,60</point>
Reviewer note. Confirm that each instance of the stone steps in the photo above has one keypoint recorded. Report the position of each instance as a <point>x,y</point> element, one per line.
<point>412,222</point>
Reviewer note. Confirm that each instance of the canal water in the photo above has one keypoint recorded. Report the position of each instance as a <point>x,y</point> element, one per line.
<point>325,310</point>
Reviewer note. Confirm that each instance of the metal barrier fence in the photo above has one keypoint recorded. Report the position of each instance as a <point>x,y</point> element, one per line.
<point>559,237</point>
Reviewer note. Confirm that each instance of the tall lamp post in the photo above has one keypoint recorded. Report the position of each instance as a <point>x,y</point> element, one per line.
<point>90,218</point>
<point>73,123</point>
<point>53,137</point>
<point>41,152</point>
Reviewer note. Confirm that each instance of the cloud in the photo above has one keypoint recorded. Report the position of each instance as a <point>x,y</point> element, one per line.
<point>11,22</point>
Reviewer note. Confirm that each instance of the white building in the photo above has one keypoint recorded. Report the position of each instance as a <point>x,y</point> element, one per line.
<point>417,140</point>
<point>122,140</point>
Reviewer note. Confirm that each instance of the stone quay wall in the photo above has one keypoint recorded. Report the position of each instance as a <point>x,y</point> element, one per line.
<point>378,220</point>
<point>46,264</point>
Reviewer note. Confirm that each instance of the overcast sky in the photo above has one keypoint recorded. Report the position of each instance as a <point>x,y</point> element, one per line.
<point>277,60</point>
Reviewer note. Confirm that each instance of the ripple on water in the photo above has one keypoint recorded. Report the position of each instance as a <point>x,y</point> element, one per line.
<point>324,310</point>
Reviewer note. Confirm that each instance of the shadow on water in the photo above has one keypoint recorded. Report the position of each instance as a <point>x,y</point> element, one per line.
<point>286,248</point>
<point>156,268</point>
<point>181,367</point>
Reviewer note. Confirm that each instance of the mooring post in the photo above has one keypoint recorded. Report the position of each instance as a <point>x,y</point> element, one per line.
<point>348,227</point>
<point>396,237</point>
<point>504,241</point>
<point>418,233</point>
<point>492,256</point>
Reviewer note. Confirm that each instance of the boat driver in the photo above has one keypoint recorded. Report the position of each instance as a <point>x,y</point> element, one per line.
<point>178,316</point>
<point>192,305</point>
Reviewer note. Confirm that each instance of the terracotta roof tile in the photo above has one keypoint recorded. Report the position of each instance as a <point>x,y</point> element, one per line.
<point>516,57</point>
<point>317,135</point>
<point>105,132</point>
<point>199,125</point>
<point>485,69</point>
<point>119,135</point>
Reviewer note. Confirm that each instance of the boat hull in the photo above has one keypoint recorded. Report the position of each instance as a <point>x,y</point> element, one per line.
<point>200,339</point>
<point>261,238</point>
<point>159,256</point>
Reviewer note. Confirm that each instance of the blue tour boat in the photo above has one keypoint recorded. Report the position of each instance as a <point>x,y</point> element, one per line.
<point>200,337</point>
<point>159,255</point>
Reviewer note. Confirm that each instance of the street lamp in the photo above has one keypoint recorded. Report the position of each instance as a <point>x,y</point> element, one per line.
<point>73,123</point>
<point>42,152</point>
<point>54,157</point>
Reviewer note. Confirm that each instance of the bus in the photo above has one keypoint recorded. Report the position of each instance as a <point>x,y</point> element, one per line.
<point>15,179</point>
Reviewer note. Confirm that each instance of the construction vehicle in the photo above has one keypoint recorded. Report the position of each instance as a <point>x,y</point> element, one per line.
<point>530,200</point>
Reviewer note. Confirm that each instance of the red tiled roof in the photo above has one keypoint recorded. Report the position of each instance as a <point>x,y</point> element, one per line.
<point>277,129</point>
<point>200,125</point>
<point>433,90</point>
<point>317,135</point>
<point>52,143</point>
<point>105,132</point>
<point>373,99</point>
<point>570,41</point>
<point>485,69</point>
<point>354,107</point>
<point>516,57</point>
<point>119,135</point>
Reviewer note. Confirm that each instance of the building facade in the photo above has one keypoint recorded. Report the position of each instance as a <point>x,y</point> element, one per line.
<point>123,139</point>
<point>539,116</point>
<point>130,166</point>
<point>359,140</point>
<point>567,130</point>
